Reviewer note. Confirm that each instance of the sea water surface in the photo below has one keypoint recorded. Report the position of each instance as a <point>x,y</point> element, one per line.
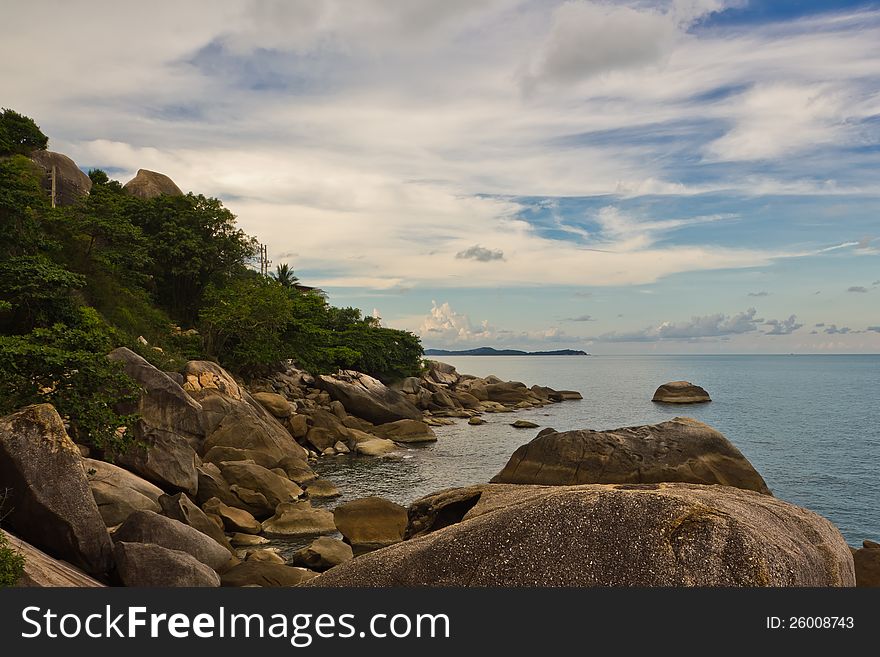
<point>810,424</point>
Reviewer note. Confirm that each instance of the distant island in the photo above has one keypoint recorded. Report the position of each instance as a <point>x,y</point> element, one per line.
<point>489,351</point>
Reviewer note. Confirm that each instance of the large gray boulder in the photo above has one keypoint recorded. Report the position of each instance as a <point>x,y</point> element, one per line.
<point>368,398</point>
<point>150,184</point>
<point>681,449</point>
<point>70,182</point>
<point>150,565</point>
<point>611,535</point>
<point>149,527</point>
<point>163,457</point>
<point>49,502</point>
<point>118,492</point>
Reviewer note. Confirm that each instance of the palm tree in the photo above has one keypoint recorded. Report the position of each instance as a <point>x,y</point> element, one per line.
<point>284,276</point>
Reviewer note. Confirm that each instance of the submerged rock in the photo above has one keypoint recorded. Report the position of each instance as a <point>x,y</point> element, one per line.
<point>611,535</point>
<point>681,449</point>
<point>680,392</point>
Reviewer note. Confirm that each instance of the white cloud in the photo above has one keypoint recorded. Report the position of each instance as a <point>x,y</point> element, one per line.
<point>783,326</point>
<point>708,326</point>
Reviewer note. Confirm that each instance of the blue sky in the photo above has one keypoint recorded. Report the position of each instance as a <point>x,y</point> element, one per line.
<point>622,177</point>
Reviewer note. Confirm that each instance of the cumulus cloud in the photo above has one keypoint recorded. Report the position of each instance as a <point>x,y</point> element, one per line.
<point>480,254</point>
<point>762,293</point>
<point>857,288</point>
<point>581,318</point>
<point>783,326</point>
<point>708,326</point>
<point>832,329</point>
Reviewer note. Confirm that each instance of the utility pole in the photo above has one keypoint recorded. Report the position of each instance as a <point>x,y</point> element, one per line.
<point>53,185</point>
<point>264,261</point>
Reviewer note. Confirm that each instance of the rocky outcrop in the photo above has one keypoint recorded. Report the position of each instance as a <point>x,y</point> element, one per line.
<point>867,564</point>
<point>368,398</point>
<point>262,573</point>
<point>322,554</point>
<point>163,457</point>
<point>182,509</point>
<point>370,523</point>
<point>150,565</point>
<point>275,404</point>
<point>234,520</point>
<point>150,184</point>
<point>251,482</point>
<point>49,502</point>
<point>680,450</point>
<point>299,519</point>
<point>680,392</point>
<point>149,527</point>
<point>70,182</point>
<point>41,570</point>
<point>118,492</point>
<point>613,535</point>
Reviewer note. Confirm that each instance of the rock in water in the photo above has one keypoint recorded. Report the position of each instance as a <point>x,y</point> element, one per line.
<point>680,392</point>
<point>524,424</point>
<point>612,535</point>
<point>405,431</point>
<point>867,562</point>
<point>118,492</point>
<point>299,519</point>
<point>263,573</point>
<point>681,449</point>
<point>322,554</point>
<point>150,184</point>
<point>70,181</point>
<point>49,501</point>
<point>150,565</point>
<point>368,398</point>
<point>370,523</point>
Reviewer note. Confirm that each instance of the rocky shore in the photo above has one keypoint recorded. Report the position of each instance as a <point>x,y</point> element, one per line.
<point>221,468</point>
<point>217,468</point>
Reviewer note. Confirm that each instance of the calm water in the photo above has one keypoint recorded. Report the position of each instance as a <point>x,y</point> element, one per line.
<point>809,424</point>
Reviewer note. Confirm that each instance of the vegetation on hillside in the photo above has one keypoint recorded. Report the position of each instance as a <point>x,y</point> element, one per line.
<point>79,280</point>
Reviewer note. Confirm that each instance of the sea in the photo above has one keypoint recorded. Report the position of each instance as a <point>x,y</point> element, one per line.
<point>810,424</point>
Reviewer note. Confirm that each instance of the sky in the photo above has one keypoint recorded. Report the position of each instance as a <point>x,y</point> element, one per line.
<point>687,176</point>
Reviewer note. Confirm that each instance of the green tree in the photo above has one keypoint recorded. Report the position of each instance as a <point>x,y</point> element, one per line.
<point>193,242</point>
<point>243,322</point>
<point>284,276</point>
<point>19,134</point>
<point>67,367</point>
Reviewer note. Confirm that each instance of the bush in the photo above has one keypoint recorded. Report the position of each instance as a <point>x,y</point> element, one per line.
<point>11,560</point>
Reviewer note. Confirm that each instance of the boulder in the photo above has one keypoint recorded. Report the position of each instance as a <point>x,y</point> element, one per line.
<point>467,400</point>
<point>867,564</point>
<point>613,535</point>
<point>49,502</point>
<point>524,424</point>
<point>376,447</point>
<point>476,421</point>
<point>299,519</point>
<point>680,392</point>
<point>322,554</point>
<point>150,565</point>
<point>41,570</point>
<point>405,431</point>
<point>368,398</point>
<point>275,404</point>
<point>410,385</point>
<point>218,454</point>
<point>441,373</point>
<point>298,425</point>
<point>262,573</point>
<point>179,507</point>
<point>234,520</point>
<point>70,181</point>
<point>118,492</point>
<point>247,540</point>
<point>297,470</point>
<point>150,184</point>
<point>681,449</point>
<point>212,484</point>
<point>322,439</point>
<point>274,488</point>
<point>149,527</point>
<point>163,457</point>
<point>265,555</point>
<point>508,393</point>
<point>164,404</point>
<point>321,488</point>
<point>370,523</point>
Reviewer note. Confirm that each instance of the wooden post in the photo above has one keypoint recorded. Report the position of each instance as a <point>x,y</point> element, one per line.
<point>53,186</point>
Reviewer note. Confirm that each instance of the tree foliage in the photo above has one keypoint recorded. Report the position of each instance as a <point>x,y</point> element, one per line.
<point>19,134</point>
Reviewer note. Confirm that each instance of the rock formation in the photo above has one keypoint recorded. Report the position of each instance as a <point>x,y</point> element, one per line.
<point>680,392</point>
<point>150,184</point>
